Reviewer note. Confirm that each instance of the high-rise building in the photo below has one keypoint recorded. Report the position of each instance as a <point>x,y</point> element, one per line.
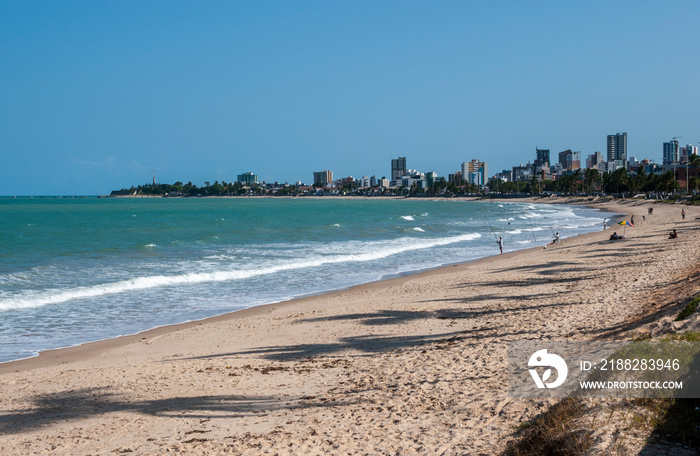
<point>542,157</point>
<point>594,160</point>
<point>523,172</point>
<point>474,178</point>
<point>617,146</point>
<point>247,178</point>
<point>475,166</point>
<point>398,168</point>
<point>569,160</point>
<point>323,177</point>
<point>671,152</point>
<point>431,177</point>
<point>687,151</point>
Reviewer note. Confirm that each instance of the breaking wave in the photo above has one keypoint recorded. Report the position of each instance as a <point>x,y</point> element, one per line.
<point>369,251</point>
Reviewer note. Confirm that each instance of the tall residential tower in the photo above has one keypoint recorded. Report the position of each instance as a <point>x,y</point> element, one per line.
<point>475,172</point>
<point>398,168</point>
<point>542,157</point>
<point>671,152</point>
<point>617,147</point>
<point>570,160</point>
<point>323,178</point>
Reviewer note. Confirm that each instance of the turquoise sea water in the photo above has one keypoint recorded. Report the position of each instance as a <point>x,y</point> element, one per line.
<point>79,270</point>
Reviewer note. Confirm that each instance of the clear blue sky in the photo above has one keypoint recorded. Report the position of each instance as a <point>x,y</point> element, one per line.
<point>94,95</point>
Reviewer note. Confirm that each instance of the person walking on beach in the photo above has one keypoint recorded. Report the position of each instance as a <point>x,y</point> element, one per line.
<point>500,243</point>
<point>683,213</point>
<point>632,220</point>
<point>605,224</point>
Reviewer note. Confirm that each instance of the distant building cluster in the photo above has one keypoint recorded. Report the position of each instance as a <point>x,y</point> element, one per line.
<point>402,177</point>
<point>474,173</point>
<point>674,158</point>
<point>675,154</point>
<point>471,177</point>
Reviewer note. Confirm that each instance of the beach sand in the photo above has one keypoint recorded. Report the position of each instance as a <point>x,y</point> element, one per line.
<point>413,365</point>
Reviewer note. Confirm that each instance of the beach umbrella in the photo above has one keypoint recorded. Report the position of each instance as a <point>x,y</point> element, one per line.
<point>625,223</point>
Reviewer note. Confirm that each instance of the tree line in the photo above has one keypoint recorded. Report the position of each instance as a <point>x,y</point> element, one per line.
<point>189,189</point>
<point>588,181</point>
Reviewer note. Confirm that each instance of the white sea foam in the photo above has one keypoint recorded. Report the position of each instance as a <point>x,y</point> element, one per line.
<point>419,229</point>
<point>408,217</point>
<point>372,251</point>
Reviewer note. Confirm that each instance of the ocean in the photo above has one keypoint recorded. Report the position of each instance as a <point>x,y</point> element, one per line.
<point>75,270</point>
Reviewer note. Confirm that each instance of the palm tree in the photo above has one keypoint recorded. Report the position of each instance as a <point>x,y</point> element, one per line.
<point>667,182</point>
<point>591,176</point>
<point>616,182</point>
<point>694,183</point>
<point>576,180</point>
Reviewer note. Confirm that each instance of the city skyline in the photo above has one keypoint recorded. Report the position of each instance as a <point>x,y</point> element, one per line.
<point>97,95</point>
<point>475,171</point>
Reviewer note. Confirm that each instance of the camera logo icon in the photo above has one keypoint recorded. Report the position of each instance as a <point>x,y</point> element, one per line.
<point>543,359</point>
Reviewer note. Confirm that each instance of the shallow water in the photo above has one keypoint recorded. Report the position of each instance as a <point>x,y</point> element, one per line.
<point>79,270</point>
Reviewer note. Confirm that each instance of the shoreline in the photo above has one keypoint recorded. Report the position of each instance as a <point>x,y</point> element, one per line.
<point>408,365</point>
<point>66,354</point>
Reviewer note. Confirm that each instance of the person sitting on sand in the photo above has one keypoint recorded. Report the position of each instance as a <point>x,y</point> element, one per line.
<point>615,237</point>
<point>673,234</point>
<point>555,238</point>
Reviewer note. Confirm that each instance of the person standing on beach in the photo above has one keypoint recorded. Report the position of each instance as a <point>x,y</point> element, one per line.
<point>632,220</point>
<point>683,214</point>
<point>605,224</point>
<point>500,243</point>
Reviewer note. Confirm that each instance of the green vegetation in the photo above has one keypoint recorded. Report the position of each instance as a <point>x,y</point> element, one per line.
<point>580,182</point>
<point>438,188</point>
<point>553,433</point>
<point>590,181</point>
<point>672,420</point>
<point>689,309</point>
<point>690,336</point>
<point>189,189</point>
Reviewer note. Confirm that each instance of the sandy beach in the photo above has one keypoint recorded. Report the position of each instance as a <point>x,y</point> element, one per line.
<point>412,365</point>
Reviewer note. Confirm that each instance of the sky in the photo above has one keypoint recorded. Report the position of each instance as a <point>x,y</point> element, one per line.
<point>96,95</point>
